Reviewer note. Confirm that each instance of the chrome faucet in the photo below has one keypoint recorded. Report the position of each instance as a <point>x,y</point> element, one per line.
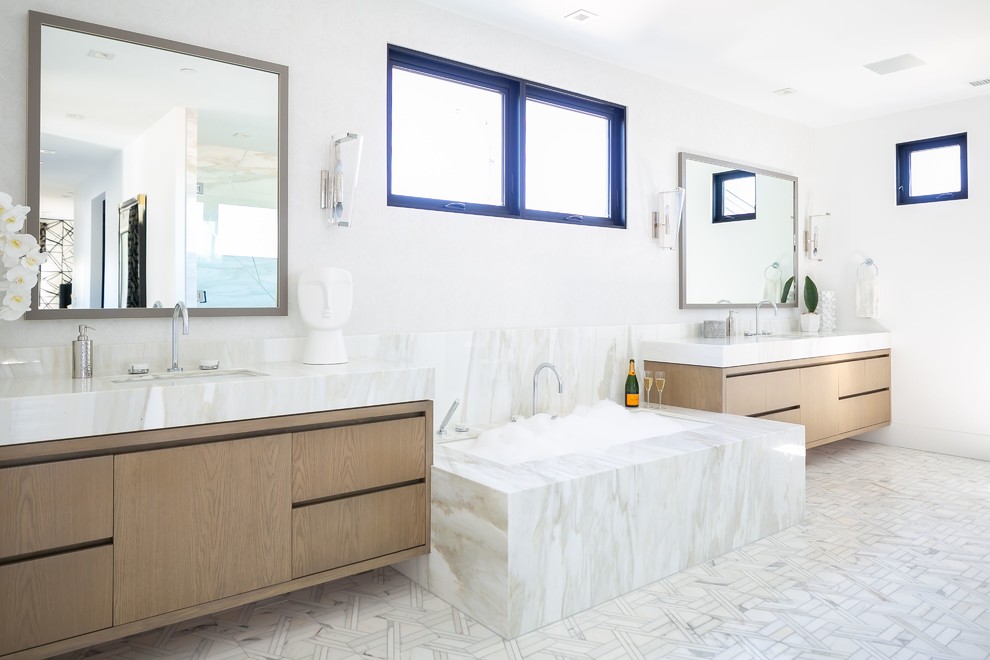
<point>769,332</point>
<point>178,311</point>
<point>560,383</point>
<point>446,418</point>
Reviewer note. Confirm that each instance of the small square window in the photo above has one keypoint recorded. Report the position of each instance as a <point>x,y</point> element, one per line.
<point>932,170</point>
<point>734,196</point>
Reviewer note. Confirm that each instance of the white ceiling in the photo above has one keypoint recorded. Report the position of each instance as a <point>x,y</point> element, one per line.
<point>744,50</point>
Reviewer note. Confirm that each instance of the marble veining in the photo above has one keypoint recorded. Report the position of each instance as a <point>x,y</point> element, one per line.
<point>37,408</point>
<point>738,351</point>
<point>520,546</point>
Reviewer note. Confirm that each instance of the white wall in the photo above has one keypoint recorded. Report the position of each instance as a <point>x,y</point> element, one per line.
<point>933,263</point>
<point>416,270</point>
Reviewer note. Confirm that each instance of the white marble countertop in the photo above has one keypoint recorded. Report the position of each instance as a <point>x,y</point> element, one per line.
<point>38,408</point>
<point>739,351</point>
<point>722,430</point>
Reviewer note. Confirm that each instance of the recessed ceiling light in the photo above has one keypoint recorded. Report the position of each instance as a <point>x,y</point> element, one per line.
<point>785,91</point>
<point>895,64</point>
<point>980,83</point>
<point>47,151</point>
<point>187,70</point>
<point>72,115</point>
<point>581,15</point>
<point>100,55</point>
<point>68,195</point>
<point>242,136</point>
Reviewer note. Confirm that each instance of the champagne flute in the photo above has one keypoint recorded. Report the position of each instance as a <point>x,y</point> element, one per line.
<point>659,378</point>
<point>647,385</point>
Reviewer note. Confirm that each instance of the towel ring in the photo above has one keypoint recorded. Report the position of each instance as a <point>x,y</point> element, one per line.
<point>775,266</point>
<point>868,263</point>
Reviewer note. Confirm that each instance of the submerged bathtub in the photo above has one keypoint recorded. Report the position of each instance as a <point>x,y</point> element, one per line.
<point>519,544</point>
<point>587,429</point>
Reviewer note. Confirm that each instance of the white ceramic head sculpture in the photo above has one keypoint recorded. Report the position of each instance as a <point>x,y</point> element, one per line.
<point>325,298</point>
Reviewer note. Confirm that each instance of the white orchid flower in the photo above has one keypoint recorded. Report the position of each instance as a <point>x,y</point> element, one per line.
<point>17,302</point>
<point>22,277</point>
<point>34,259</point>
<point>12,219</point>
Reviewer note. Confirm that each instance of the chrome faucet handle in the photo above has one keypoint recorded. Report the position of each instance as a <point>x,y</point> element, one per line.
<point>442,430</point>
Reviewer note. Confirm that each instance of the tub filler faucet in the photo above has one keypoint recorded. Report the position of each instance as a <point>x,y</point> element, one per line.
<point>560,383</point>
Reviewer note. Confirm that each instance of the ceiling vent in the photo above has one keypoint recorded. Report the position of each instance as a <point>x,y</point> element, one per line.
<point>895,64</point>
<point>980,83</point>
<point>581,15</point>
<point>786,91</point>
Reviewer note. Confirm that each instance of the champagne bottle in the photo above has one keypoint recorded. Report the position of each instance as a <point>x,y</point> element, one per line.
<point>632,387</point>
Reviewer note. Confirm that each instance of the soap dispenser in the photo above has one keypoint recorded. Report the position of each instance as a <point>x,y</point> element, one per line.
<point>82,354</point>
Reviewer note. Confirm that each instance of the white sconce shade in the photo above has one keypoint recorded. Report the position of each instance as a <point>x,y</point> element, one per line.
<point>667,221</point>
<point>332,180</point>
<point>814,236</point>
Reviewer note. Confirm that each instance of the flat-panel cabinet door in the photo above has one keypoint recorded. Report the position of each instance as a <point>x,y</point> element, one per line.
<point>820,401</point>
<point>198,523</point>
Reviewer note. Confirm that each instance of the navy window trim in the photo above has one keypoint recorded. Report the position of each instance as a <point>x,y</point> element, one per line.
<point>904,151</point>
<point>515,92</point>
<point>718,196</point>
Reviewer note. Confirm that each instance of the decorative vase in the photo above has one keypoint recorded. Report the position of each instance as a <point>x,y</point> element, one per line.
<point>826,303</point>
<point>810,322</point>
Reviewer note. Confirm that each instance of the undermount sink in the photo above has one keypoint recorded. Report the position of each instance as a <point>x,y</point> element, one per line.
<point>200,375</point>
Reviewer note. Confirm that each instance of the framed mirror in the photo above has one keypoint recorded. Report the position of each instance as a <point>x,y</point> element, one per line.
<point>739,233</point>
<point>160,168</point>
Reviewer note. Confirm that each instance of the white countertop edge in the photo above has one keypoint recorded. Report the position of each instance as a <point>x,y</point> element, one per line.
<point>44,408</point>
<point>742,351</point>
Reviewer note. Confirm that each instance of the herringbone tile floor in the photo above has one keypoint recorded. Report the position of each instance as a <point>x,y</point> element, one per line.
<point>892,561</point>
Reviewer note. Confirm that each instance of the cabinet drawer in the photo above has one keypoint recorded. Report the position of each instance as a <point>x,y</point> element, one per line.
<point>343,459</point>
<point>864,376</point>
<point>866,410</point>
<point>792,416</point>
<point>47,599</point>
<point>53,505</point>
<point>757,393</point>
<point>349,530</point>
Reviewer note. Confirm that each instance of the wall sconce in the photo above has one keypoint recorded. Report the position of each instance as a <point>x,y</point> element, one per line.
<point>667,221</point>
<point>813,243</point>
<point>332,181</point>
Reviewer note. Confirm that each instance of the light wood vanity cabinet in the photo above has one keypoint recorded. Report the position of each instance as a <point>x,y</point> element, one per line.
<point>834,397</point>
<point>56,561</point>
<point>162,526</point>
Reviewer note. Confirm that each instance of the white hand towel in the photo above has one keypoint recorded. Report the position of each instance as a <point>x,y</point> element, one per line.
<point>868,296</point>
<point>772,288</point>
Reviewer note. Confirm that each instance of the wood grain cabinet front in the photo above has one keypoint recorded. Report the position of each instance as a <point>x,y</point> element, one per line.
<point>350,529</point>
<point>55,505</point>
<point>51,598</point>
<point>834,397</point>
<point>162,526</point>
<point>344,459</point>
<point>195,524</point>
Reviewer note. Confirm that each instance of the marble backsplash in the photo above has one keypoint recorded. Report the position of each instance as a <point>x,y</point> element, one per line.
<point>489,371</point>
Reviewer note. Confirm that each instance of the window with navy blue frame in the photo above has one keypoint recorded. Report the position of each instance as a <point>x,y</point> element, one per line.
<point>733,196</point>
<point>932,170</point>
<point>546,135</point>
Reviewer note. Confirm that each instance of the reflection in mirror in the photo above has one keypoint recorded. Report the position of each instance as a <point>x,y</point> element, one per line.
<point>738,236</point>
<point>160,168</point>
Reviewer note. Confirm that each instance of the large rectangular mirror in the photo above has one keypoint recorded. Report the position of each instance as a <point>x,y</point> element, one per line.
<point>156,173</point>
<point>738,239</point>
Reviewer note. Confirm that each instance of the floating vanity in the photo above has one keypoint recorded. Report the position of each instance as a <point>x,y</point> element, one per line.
<point>139,504</point>
<point>836,385</point>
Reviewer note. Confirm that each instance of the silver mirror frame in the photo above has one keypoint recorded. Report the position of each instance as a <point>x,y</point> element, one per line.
<point>37,20</point>
<point>682,181</point>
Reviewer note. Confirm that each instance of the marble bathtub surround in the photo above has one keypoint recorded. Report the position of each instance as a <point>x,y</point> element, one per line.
<point>520,546</point>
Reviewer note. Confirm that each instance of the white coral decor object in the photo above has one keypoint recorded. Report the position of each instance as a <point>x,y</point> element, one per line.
<point>20,256</point>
